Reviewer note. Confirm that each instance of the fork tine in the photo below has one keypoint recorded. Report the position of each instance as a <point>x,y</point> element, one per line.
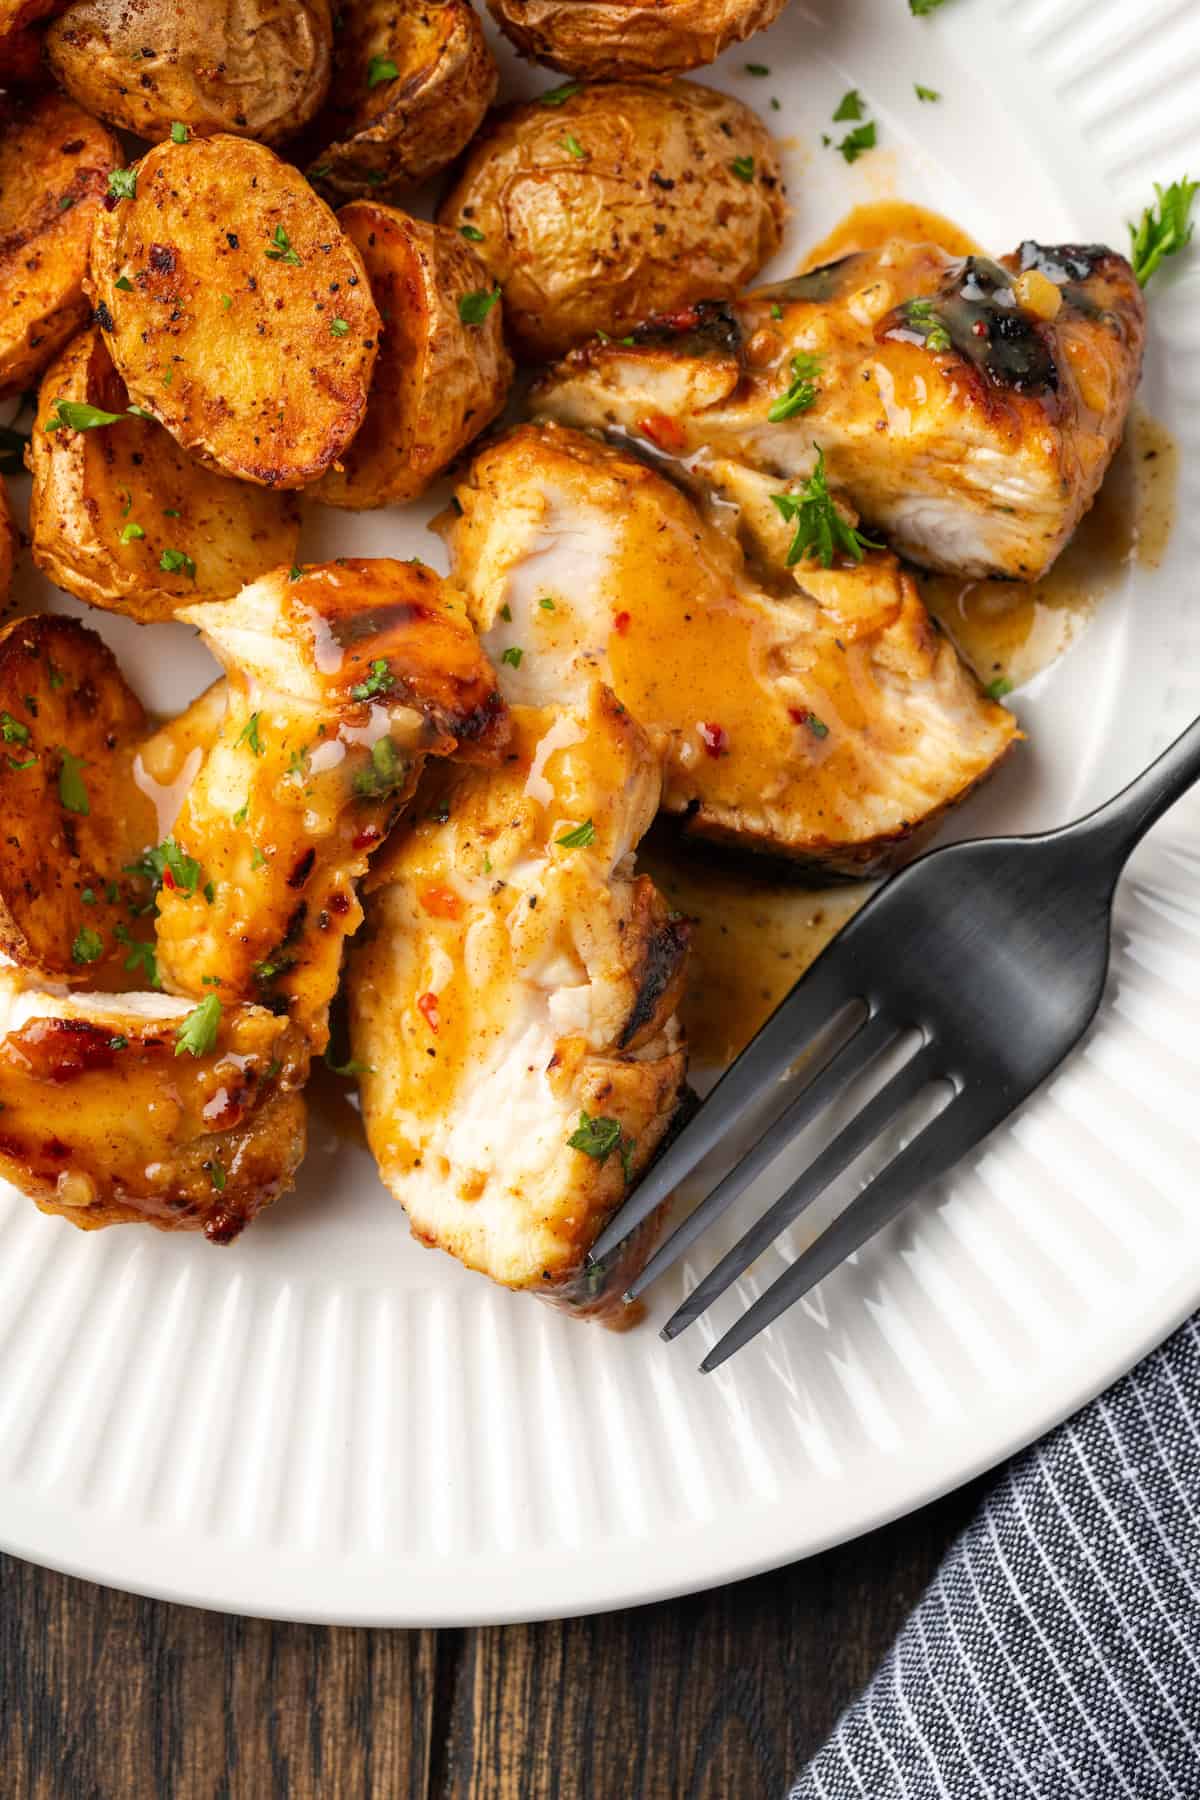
<point>849,1060</point>
<point>862,1131</point>
<point>816,999</point>
<point>934,1150</point>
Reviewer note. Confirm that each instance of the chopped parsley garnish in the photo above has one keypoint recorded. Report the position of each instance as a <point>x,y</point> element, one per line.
<point>140,412</point>
<point>379,69</point>
<point>757,69</point>
<point>385,772</point>
<point>122,184</point>
<point>920,9</point>
<point>295,572</point>
<point>573,147</point>
<point>13,730</point>
<point>298,764</point>
<point>141,956</point>
<point>171,512</point>
<point>226,301</point>
<point>123,282</point>
<point>319,171</point>
<point>19,767</point>
<point>920,316</point>
<point>802,391</point>
<point>743,167</point>
<point>56,677</point>
<point>131,532</point>
<point>379,681</point>
<point>88,896</point>
<point>580,838</point>
<point>595,1137</point>
<point>1163,231</point>
<point>997,689</point>
<point>197,1034</point>
<point>556,96</point>
<point>349,1067</point>
<point>513,656</point>
<point>257,859</point>
<point>547,604</point>
<point>776,310</point>
<point>281,248</point>
<point>118,1043</point>
<point>339,327</point>
<point>850,106</point>
<point>856,141</point>
<point>216,1174</point>
<point>179,132</point>
<point>167,865</point>
<point>172,561</point>
<point>77,415</point>
<point>473,308</point>
<point>821,531</point>
<point>924,93</point>
<point>249,735</point>
<point>71,790</point>
<point>472,233</point>
<point>88,946</point>
<point>506,613</point>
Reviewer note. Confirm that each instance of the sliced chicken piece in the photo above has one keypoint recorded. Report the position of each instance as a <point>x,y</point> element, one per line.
<point>342,678</point>
<point>967,408</point>
<point>824,718</point>
<point>107,1116</point>
<point>513,999</point>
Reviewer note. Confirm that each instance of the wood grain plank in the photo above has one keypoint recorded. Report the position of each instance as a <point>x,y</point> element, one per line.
<point>104,1696</point>
<point>704,1698</point>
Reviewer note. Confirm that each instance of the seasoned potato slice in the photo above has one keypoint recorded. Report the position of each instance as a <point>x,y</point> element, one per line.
<point>111,505</point>
<point>106,1124</point>
<point>236,309</point>
<point>54,165</point>
<point>8,544</point>
<point>626,199</point>
<point>438,380</point>
<point>411,85</point>
<point>74,816</point>
<point>261,70</point>
<point>630,37</point>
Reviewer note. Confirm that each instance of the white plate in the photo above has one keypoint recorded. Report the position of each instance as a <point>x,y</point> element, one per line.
<point>329,1422</point>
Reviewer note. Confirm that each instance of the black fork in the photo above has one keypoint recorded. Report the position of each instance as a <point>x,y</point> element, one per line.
<point>995,954</point>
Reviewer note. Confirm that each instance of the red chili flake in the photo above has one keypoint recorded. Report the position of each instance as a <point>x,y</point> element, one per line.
<point>621,623</point>
<point>666,433</point>
<point>715,739</point>
<point>427,1006</point>
<point>980,328</point>
<point>370,836</point>
<point>168,880</point>
<point>442,902</point>
<point>684,320</point>
<point>803,715</point>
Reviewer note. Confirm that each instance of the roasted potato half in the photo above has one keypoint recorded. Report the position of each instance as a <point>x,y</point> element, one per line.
<point>123,518</point>
<point>439,378</point>
<point>628,198</point>
<point>411,84</point>
<point>74,814</point>
<point>605,38</point>
<point>236,310</point>
<point>54,167</point>
<point>261,70</point>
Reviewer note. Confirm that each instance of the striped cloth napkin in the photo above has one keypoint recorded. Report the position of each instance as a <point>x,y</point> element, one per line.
<point>1056,1654</point>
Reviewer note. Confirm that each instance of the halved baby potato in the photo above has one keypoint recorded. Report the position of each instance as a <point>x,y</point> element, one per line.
<point>74,815</point>
<point>54,167</point>
<point>443,371</point>
<point>259,69</point>
<point>236,310</point>
<point>410,87</point>
<point>123,518</point>
<point>607,38</point>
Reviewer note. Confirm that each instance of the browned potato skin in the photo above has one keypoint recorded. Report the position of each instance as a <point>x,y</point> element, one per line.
<point>60,687</point>
<point>111,1130</point>
<point>88,485</point>
<point>437,382</point>
<point>8,544</point>
<point>261,388</point>
<point>382,141</point>
<point>607,38</point>
<point>261,70</point>
<point>54,166</point>
<point>650,219</point>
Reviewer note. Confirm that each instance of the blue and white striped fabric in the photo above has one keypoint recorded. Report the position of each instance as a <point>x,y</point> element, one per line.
<point>1056,1654</point>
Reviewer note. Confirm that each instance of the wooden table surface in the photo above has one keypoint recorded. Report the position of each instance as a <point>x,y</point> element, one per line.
<point>715,1697</point>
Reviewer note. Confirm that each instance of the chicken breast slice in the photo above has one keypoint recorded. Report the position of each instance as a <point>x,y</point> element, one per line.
<point>341,680</point>
<point>967,408</point>
<point>104,1120</point>
<point>824,718</point>
<point>513,999</point>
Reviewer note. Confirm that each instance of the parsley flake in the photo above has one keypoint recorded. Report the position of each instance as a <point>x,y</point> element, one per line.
<point>856,141</point>
<point>339,327</point>
<point>556,96</point>
<point>197,1034</point>
<point>122,184</point>
<point>379,681</point>
<point>996,690</point>
<point>380,69</point>
<point>249,735</point>
<point>385,772</point>
<point>473,308</point>
<point>77,415</point>
<point>743,167</point>
<point>1163,231</point>
<point>821,531</point>
<point>123,282</point>
<point>850,106</point>
<point>172,561</point>
<point>349,1067</point>
<point>512,656</point>
<point>12,729</point>
<point>802,392</point>
<point>573,147</point>
<point>580,838</point>
<point>179,132</point>
<point>88,946</point>
<point>71,790</point>
<point>924,93</point>
<point>281,248</point>
<point>131,532</point>
<point>597,1138</point>
<point>472,233</point>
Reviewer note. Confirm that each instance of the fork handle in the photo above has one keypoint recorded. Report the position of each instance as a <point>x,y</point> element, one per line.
<point>1115,828</point>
